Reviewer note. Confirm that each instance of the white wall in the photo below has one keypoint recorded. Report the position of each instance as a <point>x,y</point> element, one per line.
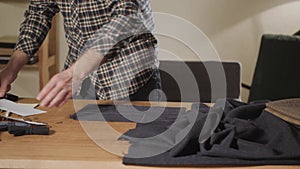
<point>11,15</point>
<point>233,26</point>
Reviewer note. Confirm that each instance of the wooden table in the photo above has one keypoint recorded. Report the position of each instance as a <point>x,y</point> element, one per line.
<point>69,146</point>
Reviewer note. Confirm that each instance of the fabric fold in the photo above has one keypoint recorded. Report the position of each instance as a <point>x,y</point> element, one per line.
<point>246,134</point>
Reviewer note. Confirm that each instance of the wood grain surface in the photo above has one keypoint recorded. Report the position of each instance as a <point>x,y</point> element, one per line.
<point>70,146</point>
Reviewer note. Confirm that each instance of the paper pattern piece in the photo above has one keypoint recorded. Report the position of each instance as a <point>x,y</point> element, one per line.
<point>19,109</point>
<point>23,121</point>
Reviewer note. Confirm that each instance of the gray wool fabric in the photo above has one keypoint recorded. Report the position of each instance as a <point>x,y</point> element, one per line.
<point>245,135</point>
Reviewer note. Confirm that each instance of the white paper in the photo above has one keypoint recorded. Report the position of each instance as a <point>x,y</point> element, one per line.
<point>24,121</point>
<point>33,105</point>
<point>19,109</point>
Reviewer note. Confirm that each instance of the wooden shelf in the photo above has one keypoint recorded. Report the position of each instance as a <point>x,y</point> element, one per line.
<point>48,60</point>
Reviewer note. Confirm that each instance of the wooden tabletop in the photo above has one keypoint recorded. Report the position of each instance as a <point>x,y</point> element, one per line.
<point>70,146</point>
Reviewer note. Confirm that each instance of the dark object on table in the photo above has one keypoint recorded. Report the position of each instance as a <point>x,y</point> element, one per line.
<point>20,129</point>
<point>10,97</point>
<point>125,113</point>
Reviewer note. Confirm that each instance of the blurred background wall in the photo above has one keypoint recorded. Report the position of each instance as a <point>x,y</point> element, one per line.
<point>233,26</point>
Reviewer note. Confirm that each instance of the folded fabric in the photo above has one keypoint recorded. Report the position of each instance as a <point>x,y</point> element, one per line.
<point>126,113</point>
<point>142,115</point>
<point>287,109</point>
<point>244,135</point>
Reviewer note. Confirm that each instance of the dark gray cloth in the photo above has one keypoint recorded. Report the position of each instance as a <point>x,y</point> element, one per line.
<point>126,113</point>
<point>142,115</point>
<point>245,135</point>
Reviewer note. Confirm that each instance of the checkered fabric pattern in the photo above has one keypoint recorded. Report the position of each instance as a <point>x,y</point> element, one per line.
<point>121,30</point>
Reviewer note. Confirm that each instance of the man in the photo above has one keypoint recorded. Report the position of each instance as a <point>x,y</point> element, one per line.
<point>111,49</point>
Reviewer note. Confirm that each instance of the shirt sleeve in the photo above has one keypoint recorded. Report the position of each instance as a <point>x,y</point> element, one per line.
<point>125,23</point>
<point>34,28</point>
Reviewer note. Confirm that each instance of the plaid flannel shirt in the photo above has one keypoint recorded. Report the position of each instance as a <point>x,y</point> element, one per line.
<point>121,30</point>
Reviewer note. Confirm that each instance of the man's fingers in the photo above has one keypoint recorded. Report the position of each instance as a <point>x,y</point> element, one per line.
<point>2,93</point>
<point>45,91</point>
<point>4,88</point>
<point>8,88</point>
<point>57,90</point>
<point>60,98</point>
<point>53,94</point>
<point>66,99</point>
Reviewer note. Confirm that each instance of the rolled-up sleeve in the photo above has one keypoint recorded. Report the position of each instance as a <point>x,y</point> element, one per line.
<point>37,23</point>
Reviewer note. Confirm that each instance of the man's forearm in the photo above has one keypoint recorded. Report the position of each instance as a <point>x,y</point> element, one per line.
<point>88,62</point>
<point>17,61</point>
<point>10,72</point>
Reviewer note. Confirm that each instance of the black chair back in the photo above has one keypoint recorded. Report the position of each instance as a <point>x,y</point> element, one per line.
<point>192,81</point>
<point>277,71</point>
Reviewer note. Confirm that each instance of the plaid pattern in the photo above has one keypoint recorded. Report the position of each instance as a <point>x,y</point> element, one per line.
<point>121,30</point>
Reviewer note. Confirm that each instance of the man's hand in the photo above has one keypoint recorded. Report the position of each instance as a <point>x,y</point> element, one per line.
<point>6,78</point>
<point>63,85</point>
<point>58,90</point>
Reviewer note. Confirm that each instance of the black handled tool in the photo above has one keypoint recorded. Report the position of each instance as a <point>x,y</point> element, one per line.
<point>19,128</point>
<point>10,97</point>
